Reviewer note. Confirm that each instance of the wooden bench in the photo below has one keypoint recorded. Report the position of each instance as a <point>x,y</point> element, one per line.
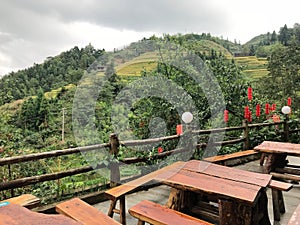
<point>295,219</point>
<point>26,200</point>
<point>156,214</point>
<point>277,197</point>
<point>118,193</point>
<point>234,158</point>
<point>84,213</point>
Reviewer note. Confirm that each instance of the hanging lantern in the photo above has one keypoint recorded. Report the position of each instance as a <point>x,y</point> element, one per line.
<point>257,113</point>
<point>246,112</point>
<point>250,117</point>
<point>267,108</point>
<point>249,93</point>
<point>289,101</point>
<point>179,129</point>
<point>273,107</point>
<point>226,115</point>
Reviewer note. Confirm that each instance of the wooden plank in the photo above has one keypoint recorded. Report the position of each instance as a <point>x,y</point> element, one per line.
<point>279,185</point>
<point>13,214</point>
<point>159,215</point>
<point>116,192</point>
<point>27,200</point>
<point>229,173</point>
<point>199,183</point>
<point>295,217</point>
<point>84,213</point>
<point>286,176</point>
<point>279,148</point>
<point>288,170</point>
<point>221,158</point>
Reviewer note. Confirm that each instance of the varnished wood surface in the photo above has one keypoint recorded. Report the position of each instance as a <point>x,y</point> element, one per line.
<point>199,183</point>
<point>84,213</point>
<point>229,173</point>
<point>121,190</point>
<point>279,148</point>
<point>160,215</point>
<point>27,200</point>
<point>221,158</point>
<point>13,214</point>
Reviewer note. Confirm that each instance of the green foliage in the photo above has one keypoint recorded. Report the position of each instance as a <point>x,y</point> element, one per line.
<point>284,74</point>
<point>55,72</point>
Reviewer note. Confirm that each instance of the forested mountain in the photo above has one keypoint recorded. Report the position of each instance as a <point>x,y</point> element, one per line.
<point>262,45</point>
<point>55,72</point>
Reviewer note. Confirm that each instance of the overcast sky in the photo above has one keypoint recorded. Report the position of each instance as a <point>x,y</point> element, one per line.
<point>31,30</point>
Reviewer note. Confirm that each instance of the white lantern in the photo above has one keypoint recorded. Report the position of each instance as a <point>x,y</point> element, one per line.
<point>187,117</point>
<point>286,110</point>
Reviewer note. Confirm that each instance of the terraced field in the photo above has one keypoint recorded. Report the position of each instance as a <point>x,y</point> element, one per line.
<point>253,67</point>
<point>146,61</point>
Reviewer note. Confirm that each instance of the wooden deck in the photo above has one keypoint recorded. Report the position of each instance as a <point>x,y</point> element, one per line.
<point>160,195</point>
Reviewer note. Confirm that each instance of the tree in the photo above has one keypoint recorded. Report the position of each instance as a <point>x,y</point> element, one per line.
<point>284,35</point>
<point>252,50</point>
<point>284,78</point>
<point>273,37</point>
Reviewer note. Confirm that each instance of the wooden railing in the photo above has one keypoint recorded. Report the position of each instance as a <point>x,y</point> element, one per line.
<point>113,148</point>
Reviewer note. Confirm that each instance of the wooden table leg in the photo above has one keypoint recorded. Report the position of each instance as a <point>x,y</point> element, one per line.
<point>261,215</point>
<point>275,161</point>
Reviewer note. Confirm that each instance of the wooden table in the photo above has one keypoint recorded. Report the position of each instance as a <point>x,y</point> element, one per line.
<point>13,214</point>
<point>277,153</point>
<point>240,194</point>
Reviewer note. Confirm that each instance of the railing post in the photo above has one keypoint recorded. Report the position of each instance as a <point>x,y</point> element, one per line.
<point>114,164</point>
<point>246,145</point>
<point>12,192</point>
<point>286,129</point>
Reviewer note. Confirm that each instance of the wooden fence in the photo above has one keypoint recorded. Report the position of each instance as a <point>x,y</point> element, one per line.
<point>113,148</point>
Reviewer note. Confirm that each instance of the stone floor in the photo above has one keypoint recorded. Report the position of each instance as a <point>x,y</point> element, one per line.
<point>160,195</point>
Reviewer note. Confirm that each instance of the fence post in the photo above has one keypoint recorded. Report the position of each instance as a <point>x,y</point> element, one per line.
<point>12,192</point>
<point>246,135</point>
<point>286,128</point>
<point>114,164</point>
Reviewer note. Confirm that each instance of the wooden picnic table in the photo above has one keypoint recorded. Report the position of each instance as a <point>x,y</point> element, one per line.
<point>277,153</point>
<point>14,214</point>
<point>240,195</point>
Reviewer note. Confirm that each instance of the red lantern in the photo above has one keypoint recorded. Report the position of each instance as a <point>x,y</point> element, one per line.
<point>179,129</point>
<point>160,150</point>
<point>226,115</point>
<point>250,117</point>
<point>289,101</point>
<point>257,113</point>
<point>267,109</point>
<point>249,93</point>
<point>246,112</point>
<point>273,107</point>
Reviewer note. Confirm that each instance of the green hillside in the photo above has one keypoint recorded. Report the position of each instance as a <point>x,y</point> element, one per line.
<point>253,67</point>
<point>146,61</point>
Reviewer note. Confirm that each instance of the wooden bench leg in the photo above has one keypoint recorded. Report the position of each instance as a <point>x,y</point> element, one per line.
<point>140,222</point>
<point>281,202</point>
<point>122,210</point>
<point>276,205</point>
<point>112,207</point>
<point>262,159</point>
